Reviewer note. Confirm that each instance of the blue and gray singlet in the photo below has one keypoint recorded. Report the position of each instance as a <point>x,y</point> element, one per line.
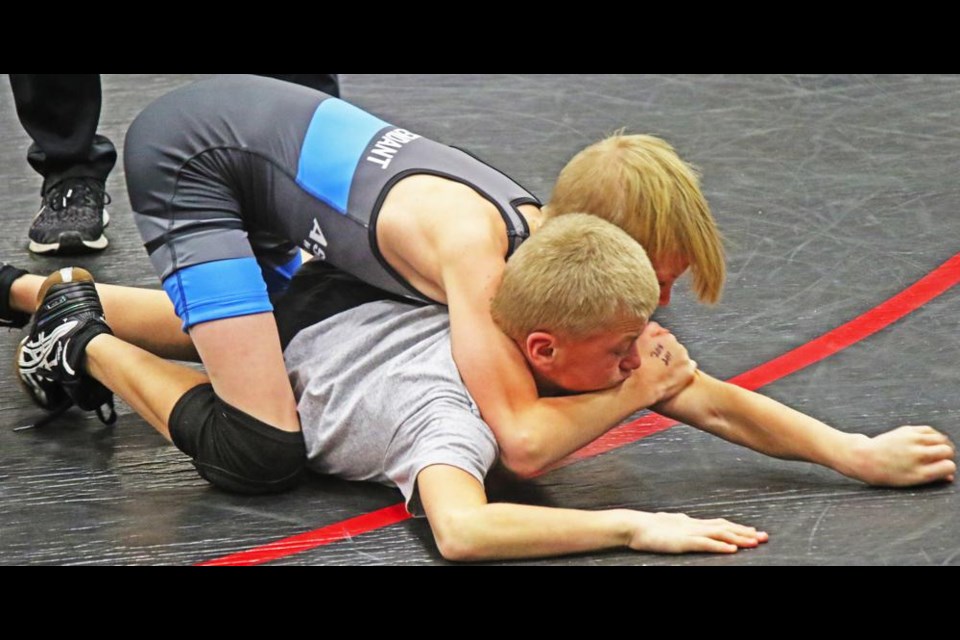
<point>230,177</point>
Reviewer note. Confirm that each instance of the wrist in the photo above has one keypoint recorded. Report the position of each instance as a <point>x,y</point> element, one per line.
<point>637,393</point>
<point>853,456</point>
<point>623,525</point>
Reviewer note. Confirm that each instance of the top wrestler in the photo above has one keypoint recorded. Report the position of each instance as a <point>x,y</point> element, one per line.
<point>230,177</point>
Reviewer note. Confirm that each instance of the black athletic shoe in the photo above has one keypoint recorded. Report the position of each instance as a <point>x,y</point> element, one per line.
<point>71,218</point>
<point>49,359</point>
<point>10,319</point>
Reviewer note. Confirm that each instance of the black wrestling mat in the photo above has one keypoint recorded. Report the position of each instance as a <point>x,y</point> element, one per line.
<point>838,198</point>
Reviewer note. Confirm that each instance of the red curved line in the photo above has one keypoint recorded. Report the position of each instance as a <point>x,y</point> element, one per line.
<point>312,539</point>
<point>886,313</point>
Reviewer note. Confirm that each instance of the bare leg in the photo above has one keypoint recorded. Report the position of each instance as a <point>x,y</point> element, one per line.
<point>246,373</point>
<point>149,384</point>
<point>142,317</point>
<point>244,360</point>
<point>242,356</point>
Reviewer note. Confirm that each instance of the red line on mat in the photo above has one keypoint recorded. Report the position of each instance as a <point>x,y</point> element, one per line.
<point>886,313</point>
<point>316,538</point>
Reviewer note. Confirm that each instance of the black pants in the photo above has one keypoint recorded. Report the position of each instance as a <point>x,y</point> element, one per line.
<point>61,112</point>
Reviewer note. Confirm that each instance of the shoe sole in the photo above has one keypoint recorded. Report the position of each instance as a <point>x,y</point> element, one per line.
<point>60,276</point>
<point>71,243</point>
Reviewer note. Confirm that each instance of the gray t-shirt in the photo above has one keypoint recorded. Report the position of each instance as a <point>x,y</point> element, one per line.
<point>380,397</point>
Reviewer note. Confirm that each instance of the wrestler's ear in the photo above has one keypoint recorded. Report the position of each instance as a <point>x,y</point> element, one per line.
<point>541,348</point>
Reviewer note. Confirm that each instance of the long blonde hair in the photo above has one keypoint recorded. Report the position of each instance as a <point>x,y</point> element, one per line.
<point>639,183</point>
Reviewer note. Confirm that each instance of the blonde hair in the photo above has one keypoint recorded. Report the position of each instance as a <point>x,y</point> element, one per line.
<point>577,275</point>
<point>639,183</point>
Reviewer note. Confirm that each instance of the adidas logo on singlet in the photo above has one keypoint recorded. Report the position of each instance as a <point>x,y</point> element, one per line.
<point>316,241</point>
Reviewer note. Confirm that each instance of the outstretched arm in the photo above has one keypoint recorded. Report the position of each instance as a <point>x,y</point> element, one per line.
<point>468,528</point>
<point>905,456</point>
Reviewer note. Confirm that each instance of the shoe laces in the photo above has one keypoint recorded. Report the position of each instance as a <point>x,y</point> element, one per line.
<point>54,413</point>
<point>84,192</point>
<point>105,412</point>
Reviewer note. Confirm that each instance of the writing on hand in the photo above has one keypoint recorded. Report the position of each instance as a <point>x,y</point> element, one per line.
<point>662,354</point>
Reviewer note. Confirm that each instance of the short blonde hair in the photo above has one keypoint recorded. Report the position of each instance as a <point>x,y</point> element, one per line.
<point>575,276</point>
<point>639,183</point>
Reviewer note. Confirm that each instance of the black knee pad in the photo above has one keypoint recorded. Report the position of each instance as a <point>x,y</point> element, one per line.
<point>233,450</point>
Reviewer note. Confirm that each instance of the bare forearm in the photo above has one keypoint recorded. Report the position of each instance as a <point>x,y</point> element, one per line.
<point>762,424</point>
<point>547,430</point>
<point>505,531</point>
<point>508,531</point>
<point>468,528</point>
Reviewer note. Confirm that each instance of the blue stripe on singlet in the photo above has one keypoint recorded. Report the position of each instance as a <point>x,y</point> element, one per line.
<point>332,148</point>
<point>278,277</point>
<point>217,290</point>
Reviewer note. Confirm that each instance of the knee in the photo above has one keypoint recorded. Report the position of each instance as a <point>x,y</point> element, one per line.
<point>233,450</point>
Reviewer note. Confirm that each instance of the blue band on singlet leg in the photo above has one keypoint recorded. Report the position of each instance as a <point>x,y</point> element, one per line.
<point>332,148</point>
<point>278,277</point>
<point>217,290</point>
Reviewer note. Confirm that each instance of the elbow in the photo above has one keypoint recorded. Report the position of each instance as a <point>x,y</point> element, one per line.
<point>524,469</point>
<point>454,551</point>
<point>524,457</point>
<point>451,532</point>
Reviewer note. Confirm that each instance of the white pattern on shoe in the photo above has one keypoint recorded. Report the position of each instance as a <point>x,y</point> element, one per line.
<point>34,355</point>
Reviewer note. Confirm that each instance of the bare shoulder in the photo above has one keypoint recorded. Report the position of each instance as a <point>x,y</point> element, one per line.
<point>440,215</point>
<point>430,226</point>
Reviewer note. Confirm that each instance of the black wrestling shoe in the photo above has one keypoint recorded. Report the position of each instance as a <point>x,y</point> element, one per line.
<point>71,218</point>
<point>50,358</point>
<point>9,318</point>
